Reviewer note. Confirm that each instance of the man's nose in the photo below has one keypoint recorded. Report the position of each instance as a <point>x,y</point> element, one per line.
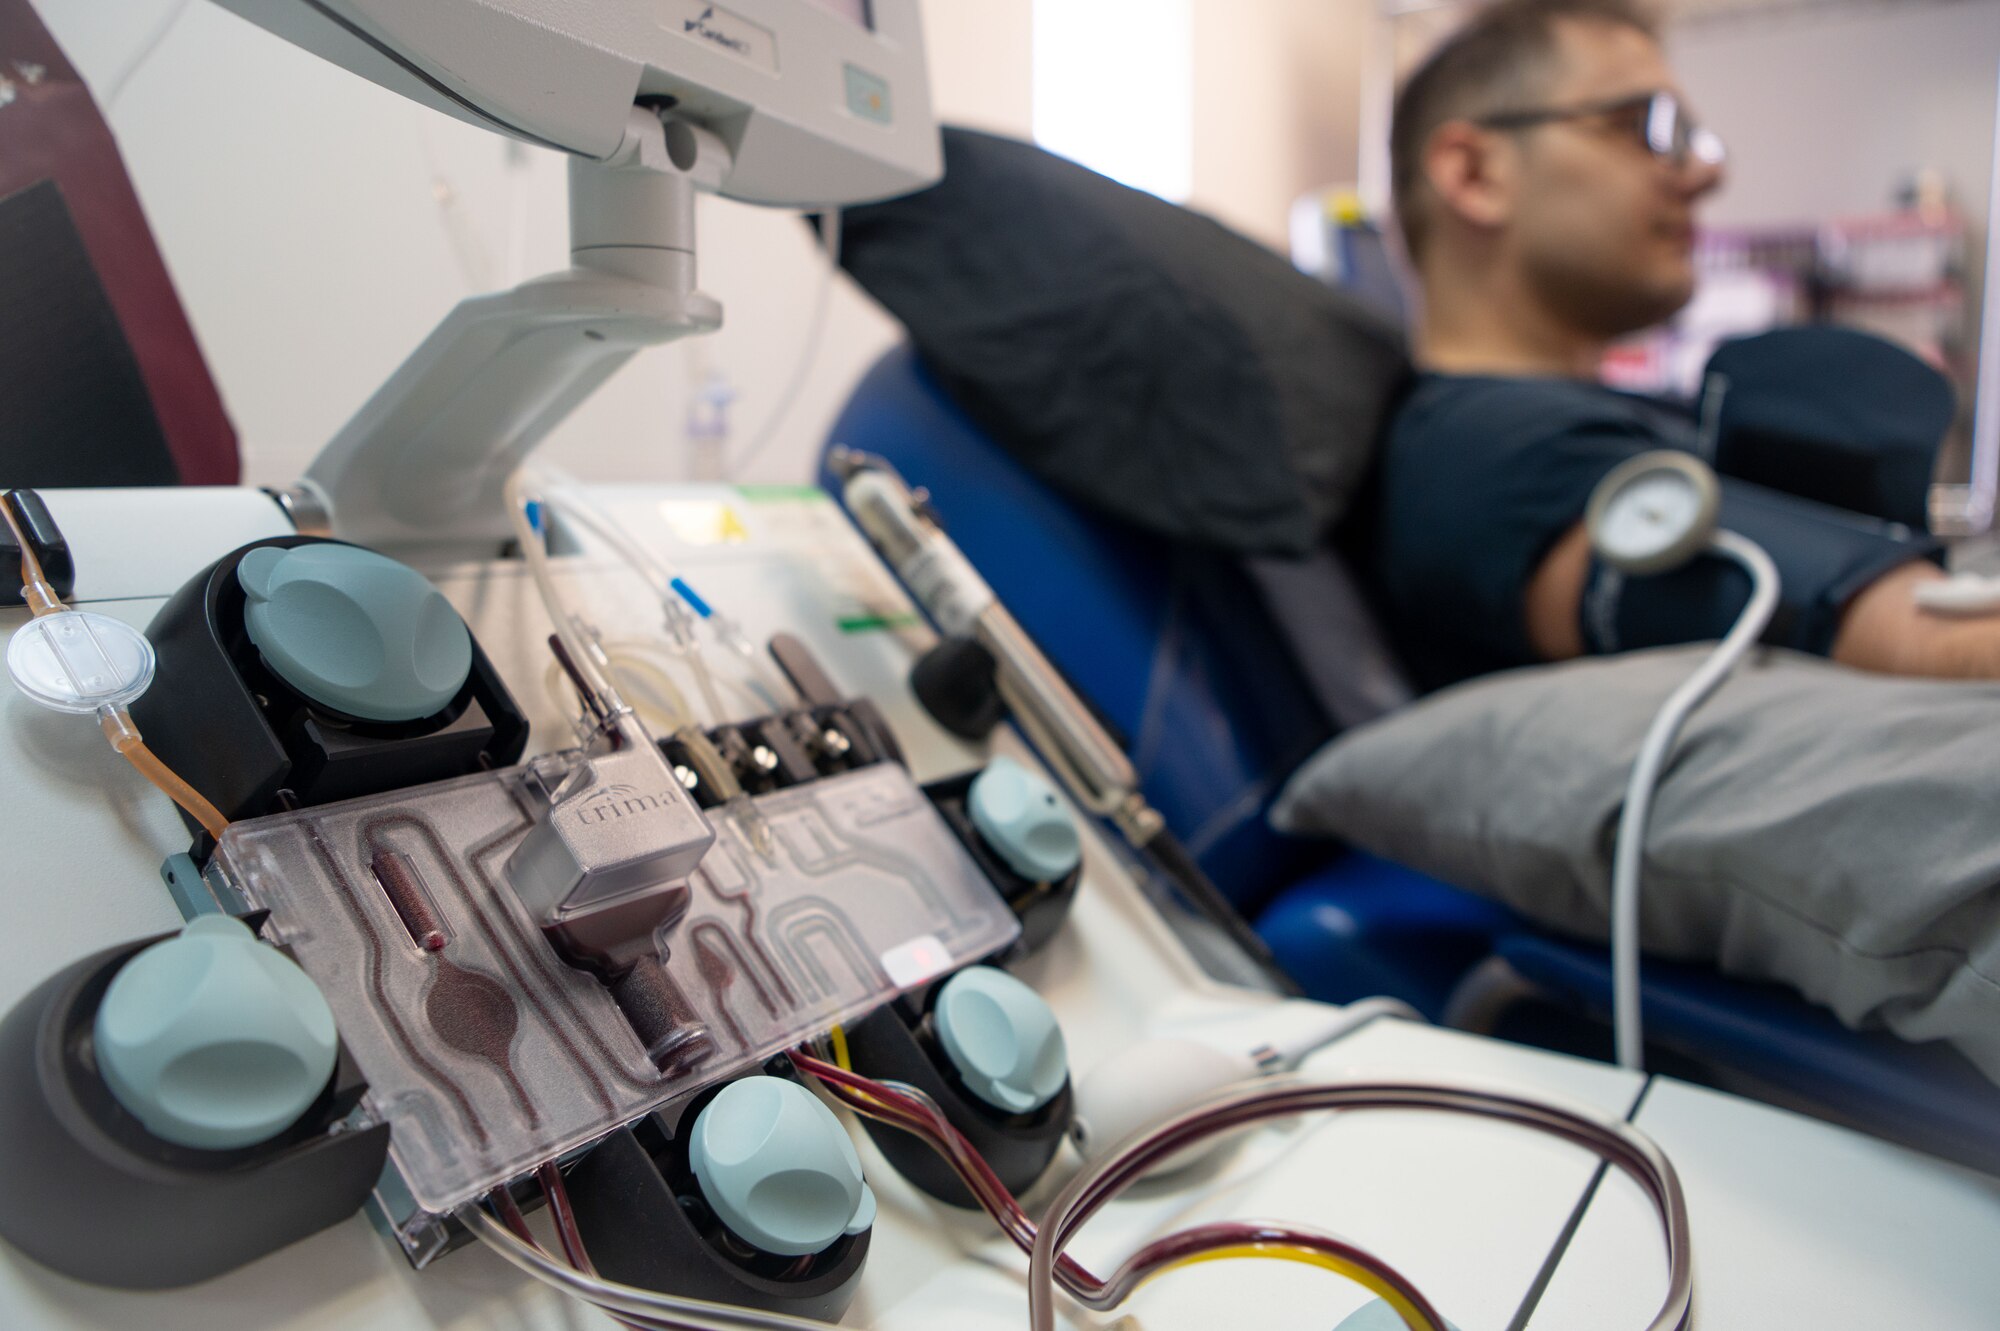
<point>1697,179</point>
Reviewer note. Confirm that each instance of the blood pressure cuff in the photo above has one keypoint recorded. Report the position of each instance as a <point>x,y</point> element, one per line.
<point>1824,556</point>
<point>1830,414</point>
<point>1481,476</point>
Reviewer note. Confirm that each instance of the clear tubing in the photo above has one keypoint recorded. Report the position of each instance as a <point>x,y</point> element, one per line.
<point>704,681</point>
<point>533,549</point>
<point>124,737</point>
<point>713,768</point>
<point>763,679</point>
<point>116,722</point>
<point>1626,1008</point>
<point>601,525</point>
<point>664,1309</point>
<point>666,714</point>
<point>661,579</point>
<point>1619,1143</point>
<point>912,1111</point>
<point>674,702</point>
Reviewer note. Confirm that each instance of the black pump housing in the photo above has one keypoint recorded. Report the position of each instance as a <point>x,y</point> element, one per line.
<point>86,1190</point>
<point>897,1042</point>
<point>1040,907</point>
<point>238,733</point>
<point>643,1221</point>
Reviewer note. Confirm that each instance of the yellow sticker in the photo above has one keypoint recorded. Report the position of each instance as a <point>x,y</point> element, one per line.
<point>703,522</point>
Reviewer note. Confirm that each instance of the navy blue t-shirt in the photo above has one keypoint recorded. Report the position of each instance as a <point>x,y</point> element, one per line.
<point>1480,476</point>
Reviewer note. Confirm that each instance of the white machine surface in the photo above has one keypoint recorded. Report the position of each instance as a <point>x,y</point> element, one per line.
<point>823,103</point>
<point>819,103</point>
<point>1795,1224</point>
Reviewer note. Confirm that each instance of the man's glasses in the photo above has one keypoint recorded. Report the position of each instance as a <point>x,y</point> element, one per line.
<point>1662,125</point>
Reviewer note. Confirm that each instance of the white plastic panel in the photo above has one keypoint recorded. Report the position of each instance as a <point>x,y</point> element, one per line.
<point>776,79</point>
<point>147,542</point>
<point>1796,1223</point>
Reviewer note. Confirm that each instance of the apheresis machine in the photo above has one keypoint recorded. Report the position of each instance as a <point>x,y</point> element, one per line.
<point>499,899</point>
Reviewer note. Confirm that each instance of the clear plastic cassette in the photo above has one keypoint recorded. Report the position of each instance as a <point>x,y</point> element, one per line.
<point>488,1054</point>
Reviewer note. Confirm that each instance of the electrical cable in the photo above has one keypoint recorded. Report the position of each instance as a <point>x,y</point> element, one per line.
<point>1627,859</point>
<point>808,353</point>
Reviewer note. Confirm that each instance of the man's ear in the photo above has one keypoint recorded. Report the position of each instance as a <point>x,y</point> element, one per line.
<point>1472,171</point>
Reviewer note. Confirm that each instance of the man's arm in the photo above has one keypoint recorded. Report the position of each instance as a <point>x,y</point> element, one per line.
<point>1554,602</point>
<point>1881,629</point>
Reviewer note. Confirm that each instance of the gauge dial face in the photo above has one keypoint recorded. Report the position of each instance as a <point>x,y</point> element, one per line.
<point>1653,513</point>
<point>1649,516</point>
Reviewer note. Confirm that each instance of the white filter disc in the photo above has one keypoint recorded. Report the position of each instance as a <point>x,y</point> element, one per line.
<point>76,661</point>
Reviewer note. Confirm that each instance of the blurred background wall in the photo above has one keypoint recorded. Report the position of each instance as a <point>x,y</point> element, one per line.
<point>317,227</point>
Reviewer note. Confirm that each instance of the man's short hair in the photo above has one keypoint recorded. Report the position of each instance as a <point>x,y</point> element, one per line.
<point>1500,60</point>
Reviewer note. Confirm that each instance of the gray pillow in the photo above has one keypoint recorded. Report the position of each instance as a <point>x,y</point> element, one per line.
<point>1831,830</point>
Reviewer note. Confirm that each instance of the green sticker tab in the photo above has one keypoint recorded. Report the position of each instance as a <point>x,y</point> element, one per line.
<point>779,494</point>
<point>874,623</point>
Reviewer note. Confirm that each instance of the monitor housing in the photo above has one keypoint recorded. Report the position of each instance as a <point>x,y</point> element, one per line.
<point>809,104</point>
<point>820,102</point>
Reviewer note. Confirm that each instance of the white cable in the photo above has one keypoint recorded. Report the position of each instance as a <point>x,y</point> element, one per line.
<point>1627,859</point>
<point>1340,1023</point>
<point>808,354</point>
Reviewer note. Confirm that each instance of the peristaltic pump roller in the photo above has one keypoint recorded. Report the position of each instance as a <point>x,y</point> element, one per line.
<point>751,1194</point>
<point>173,1108</point>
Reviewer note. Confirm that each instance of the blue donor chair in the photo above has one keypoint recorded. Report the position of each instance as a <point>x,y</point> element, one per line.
<point>1176,650</point>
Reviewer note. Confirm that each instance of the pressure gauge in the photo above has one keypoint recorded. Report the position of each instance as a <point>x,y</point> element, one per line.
<point>1654,512</point>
